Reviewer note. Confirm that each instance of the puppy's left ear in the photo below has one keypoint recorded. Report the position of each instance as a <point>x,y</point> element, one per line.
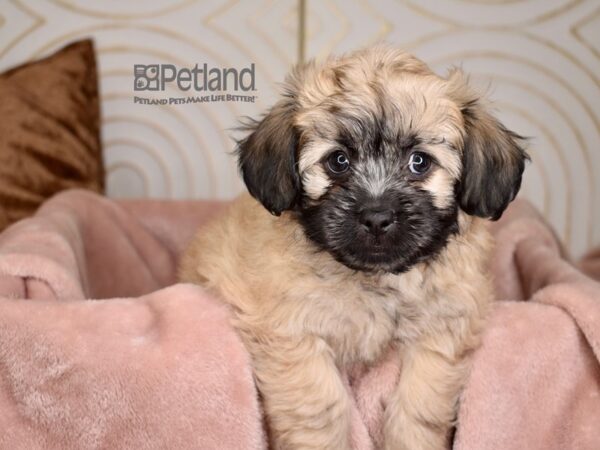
<point>493,157</point>
<point>267,157</point>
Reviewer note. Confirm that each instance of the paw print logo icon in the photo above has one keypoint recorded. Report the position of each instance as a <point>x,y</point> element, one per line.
<point>145,77</point>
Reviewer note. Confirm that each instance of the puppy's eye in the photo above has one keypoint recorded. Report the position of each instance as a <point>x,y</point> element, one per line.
<point>338,162</point>
<point>419,163</point>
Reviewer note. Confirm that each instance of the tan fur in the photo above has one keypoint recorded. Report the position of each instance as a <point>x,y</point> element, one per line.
<point>304,316</point>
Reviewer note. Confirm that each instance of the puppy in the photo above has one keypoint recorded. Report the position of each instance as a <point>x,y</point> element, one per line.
<point>371,180</point>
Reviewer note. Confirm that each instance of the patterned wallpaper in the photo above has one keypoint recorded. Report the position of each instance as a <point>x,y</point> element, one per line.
<point>539,61</point>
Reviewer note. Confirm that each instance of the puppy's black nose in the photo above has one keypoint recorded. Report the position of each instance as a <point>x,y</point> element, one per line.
<point>377,221</point>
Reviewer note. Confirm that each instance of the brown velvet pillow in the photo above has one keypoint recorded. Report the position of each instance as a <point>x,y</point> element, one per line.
<point>49,130</point>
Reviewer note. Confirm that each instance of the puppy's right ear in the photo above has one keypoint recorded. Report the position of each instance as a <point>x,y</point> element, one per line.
<point>267,157</point>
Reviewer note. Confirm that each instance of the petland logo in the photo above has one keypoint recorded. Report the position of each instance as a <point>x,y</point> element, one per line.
<point>199,79</point>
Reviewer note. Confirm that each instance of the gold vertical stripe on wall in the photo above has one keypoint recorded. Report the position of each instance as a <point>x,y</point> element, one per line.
<point>301,30</point>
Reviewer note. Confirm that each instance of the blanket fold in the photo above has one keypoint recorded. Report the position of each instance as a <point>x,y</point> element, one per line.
<point>535,383</point>
<point>153,364</point>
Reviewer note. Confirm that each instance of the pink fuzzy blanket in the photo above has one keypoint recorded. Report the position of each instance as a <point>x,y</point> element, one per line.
<point>152,364</point>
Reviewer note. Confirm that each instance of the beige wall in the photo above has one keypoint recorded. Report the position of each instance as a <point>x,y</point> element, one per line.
<point>540,57</point>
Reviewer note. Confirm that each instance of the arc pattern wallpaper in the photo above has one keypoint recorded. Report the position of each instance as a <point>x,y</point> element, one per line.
<point>538,60</point>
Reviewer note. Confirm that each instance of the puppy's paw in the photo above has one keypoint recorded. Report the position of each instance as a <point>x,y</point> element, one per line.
<point>402,432</point>
<point>422,410</point>
<point>313,425</point>
<point>305,401</point>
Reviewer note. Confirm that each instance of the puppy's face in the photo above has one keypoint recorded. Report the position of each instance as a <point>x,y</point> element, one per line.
<point>376,155</point>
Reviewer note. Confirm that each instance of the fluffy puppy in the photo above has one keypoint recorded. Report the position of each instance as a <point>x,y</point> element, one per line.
<point>371,180</point>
